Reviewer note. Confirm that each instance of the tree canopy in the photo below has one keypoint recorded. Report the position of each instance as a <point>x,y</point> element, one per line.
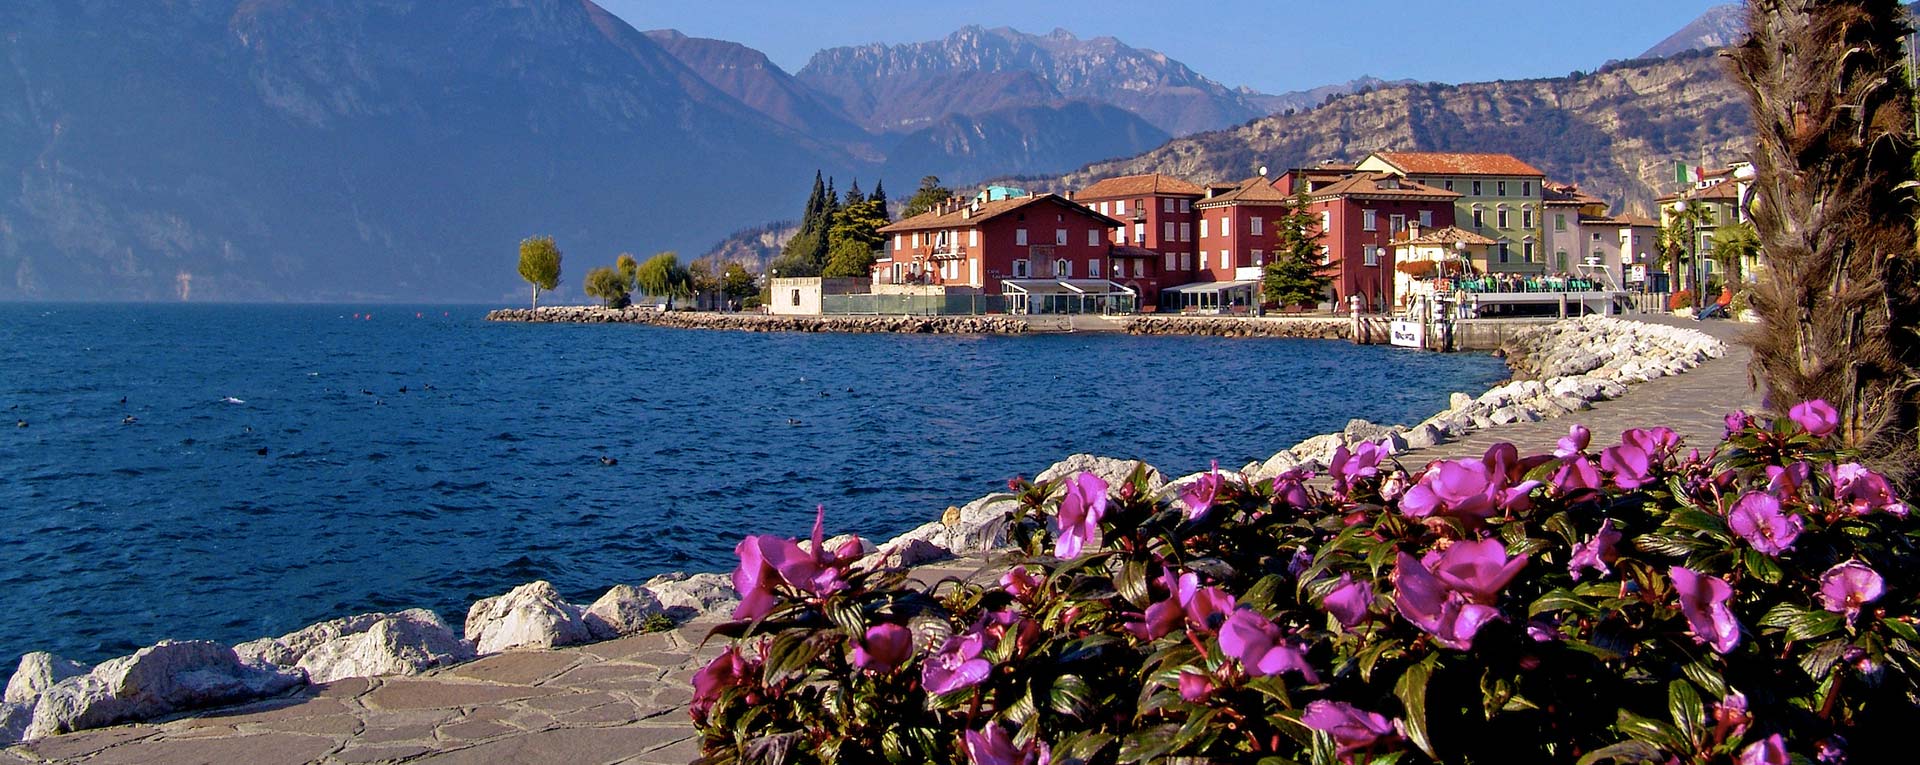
<point>1297,273</point>
<point>837,235</point>
<point>608,285</point>
<point>925,198</point>
<point>663,276</point>
<point>540,264</point>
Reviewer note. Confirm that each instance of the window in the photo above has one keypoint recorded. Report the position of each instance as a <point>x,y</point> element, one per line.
<point>1479,217</point>
<point>1120,207</point>
<point>1140,232</point>
<point>1396,223</point>
<point>1186,232</point>
<point>1140,268</point>
<point>1526,188</point>
<point>1369,220</point>
<point>1020,268</point>
<point>1166,205</point>
<point>973,271</point>
<point>1526,216</point>
<point>1371,254</point>
<point>1093,237</point>
<point>1119,269</point>
<point>1167,232</point>
<point>1326,220</point>
<point>1526,250</point>
<point>1476,188</point>
<point>1500,217</point>
<point>1256,226</point>
<point>1093,268</point>
<point>1186,205</point>
<point>1226,258</point>
<point>916,240</point>
<point>1203,260</point>
<point>1500,188</point>
<point>973,237</point>
<point>1103,208</point>
<point>1503,252</point>
<point>1560,260</point>
<point>1257,261</point>
<point>899,241</point>
<point>1426,218</point>
<point>1063,269</point>
<point>1203,228</point>
<point>1559,221</point>
<point>1226,225</point>
<point>1449,184</point>
<point>1020,237</point>
<point>1186,261</point>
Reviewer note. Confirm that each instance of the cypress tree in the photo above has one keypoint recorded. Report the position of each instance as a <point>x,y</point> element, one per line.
<point>880,195</point>
<point>854,196</point>
<point>814,218</point>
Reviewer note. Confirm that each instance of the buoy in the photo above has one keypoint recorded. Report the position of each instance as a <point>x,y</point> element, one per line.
<point>262,451</point>
<point>609,461</point>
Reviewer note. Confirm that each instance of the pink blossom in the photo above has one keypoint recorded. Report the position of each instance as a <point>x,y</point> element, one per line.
<point>755,577</point>
<point>956,665</point>
<point>1195,687</point>
<point>1736,421</point>
<point>1426,602</point>
<point>1630,466</point>
<point>1576,474</point>
<point>1847,587</point>
<point>994,746</point>
<point>1786,481</point>
<point>1162,617</point>
<point>1660,444</point>
<point>1817,417</point>
<point>1354,730</point>
<point>1020,583</point>
<point>1478,570</point>
<point>1199,495</point>
<point>1290,489</point>
<point>1703,600</point>
<point>884,649</point>
<point>1731,718</point>
<point>1863,491</point>
<point>725,671</point>
<point>1597,553</point>
<point>1207,607</point>
<point>1261,647</point>
<point>1771,750</point>
<point>1349,600</point>
<point>1758,518</point>
<point>1080,513</point>
<point>1347,468</point>
<point>1575,442</point>
<point>1453,487</point>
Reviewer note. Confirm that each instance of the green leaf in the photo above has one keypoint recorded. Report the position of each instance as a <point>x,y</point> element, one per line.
<point>1683,704</point>
<point>1695,520</point>
<point>1412,691</point>
<point>1560,600</point>
<point>1131,582</point>
<point>1624,753</point>
<point>1260,596</point>
<point>1195,727</point>
<point>1148,744</point>
<point>1070,696</point>
<point>1708,680</point>
<point>1650,731</point>
<point>1761,566</point>
<point>1672,545</point>
<point>1081,748</point>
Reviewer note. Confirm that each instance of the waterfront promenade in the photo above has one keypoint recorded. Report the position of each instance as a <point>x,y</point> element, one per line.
<point>624,701</point>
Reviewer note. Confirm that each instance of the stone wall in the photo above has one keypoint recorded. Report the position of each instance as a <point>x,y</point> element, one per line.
<point>753,322</point>
<point>1224,326</point>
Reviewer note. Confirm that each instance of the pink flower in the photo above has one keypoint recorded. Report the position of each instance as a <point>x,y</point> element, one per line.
<point>1454,487</point>
<point>755,577</point>
<point>1575,442</point>
<point>1207,607</point>
<point>956,665</point>
<point>884,649</point>
<point>725,671</point>
<point>811,569</point>
<point>1354,730</point>
<point>1736,421</point>
<point>1478,570</point>
<point>1863,491</point>
<point>1786,481</point>
<point>1771,750</point>
<point>1731,718</point>
<point>1817,417</point>
<point>1658,443</point>
<point>1195,687</point>
<point>1576,474</point>
<point>1199,495</point>
<point>1290,489</point>
<point>1845,588</point>
<point>1426,602</point>
<point>1020,583</point>
<point>1629,465</point>
<point>994,746</point>
<point>1348,601</point>
<point>1080,512</point>
<point>1261,647</point>
<point>1597,553</point>
<point>1703,600</point>
<point>1347,468</point>
<point>1161,618</point>
<point>1757,518</point>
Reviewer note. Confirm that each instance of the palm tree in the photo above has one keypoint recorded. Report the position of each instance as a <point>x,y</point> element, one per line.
<point>1839,298</point>
<point>1733,245</point>
<point>1678,239</point>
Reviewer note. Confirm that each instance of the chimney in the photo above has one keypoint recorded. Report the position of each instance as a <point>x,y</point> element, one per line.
<point>1413,229</point>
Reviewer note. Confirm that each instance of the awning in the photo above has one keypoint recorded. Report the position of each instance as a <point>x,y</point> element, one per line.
<point>1095,287</point>
<point>1211,286</point>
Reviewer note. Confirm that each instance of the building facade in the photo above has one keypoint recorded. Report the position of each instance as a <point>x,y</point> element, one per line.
<point>1725,197</point>
<point>1153,248</point>
<point>1025,245</point>
<point>1500,198</point>
<point>1583,239</point>
<point>1361,215</point>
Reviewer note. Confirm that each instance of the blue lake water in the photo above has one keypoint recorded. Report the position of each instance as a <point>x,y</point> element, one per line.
<point>427,458</point>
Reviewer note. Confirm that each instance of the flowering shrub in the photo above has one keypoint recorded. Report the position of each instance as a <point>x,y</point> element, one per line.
<point>1635,602</point>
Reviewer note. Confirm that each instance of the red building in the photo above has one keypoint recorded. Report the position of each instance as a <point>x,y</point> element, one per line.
<point>1235,232</point>
<point>1360,217</point>
<point>1029,246</point>
<point>1154,246</point>
<point>1309,178</point>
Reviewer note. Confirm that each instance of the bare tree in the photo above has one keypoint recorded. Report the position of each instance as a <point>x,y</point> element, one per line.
<point>1833,109</point>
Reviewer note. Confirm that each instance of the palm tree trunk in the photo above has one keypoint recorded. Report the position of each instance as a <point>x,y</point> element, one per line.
<point>1832,108</point>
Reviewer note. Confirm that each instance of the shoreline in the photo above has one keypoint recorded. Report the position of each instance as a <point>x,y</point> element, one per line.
<point>1307,327</point>
<point>1573,362</point>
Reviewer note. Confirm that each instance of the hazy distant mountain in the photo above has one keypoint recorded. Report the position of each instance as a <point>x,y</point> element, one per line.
<point>350,149</point>
<point>1719,27</point>
<point>1020,140</point>
<point>1616,132</point>
<point>748,75</point>
<point>1301,100</point>
<point>899,87</point>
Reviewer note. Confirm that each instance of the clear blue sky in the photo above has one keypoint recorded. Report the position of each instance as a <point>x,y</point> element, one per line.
<point>1271,45</point>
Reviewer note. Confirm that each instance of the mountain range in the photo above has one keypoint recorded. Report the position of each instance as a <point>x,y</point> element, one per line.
<point>392,149</point>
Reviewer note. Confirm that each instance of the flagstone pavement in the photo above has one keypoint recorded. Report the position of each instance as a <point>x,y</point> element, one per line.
<point>625,701</point>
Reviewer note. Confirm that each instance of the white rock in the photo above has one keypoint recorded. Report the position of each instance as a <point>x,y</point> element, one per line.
<point>368,645</point>
<point>912,551</point>
<point>154,681</point>
<point>623,610</point>
<point>14,719</point>
<point>38,671</point>
<point>1113,471</point>
<point>531,615</point>
<point>1423,436</point>
<point>684,596</point>
<point>1459,401</point>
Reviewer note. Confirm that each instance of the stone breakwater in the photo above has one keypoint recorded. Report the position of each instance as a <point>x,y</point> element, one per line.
<point>1573,363</point>
<point>1306,328</point>
<point>754,322</point>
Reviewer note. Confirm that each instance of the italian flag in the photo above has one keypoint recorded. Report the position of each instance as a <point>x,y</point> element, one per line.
<point>1686,173</point>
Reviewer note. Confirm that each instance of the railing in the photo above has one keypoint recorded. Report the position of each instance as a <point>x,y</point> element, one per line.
<point>869,304</point>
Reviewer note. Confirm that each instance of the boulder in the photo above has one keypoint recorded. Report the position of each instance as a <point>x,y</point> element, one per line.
<point>684,596</point>
<point>1113,471</point>
<point>1423,436</point>
<point>909,550</point>
<point>14,719</point>
<point>622,611</point>
<point>1361,431</point>
<point>1459,401</point>
<point>1318,450</point>
<point>39,671</point>
<point>158,680</point>
<point>531,615</point>
<point>368,645</point>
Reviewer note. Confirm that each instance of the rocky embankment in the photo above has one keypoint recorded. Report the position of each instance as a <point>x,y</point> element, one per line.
<point>1321,329</point>
<point>754,322</point>
<point>1572,364</point>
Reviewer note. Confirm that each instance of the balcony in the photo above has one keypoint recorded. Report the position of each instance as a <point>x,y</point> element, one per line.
<point>948,252</point>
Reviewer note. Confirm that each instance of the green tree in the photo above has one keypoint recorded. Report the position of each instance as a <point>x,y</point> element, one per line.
<point>608,285</point>
<point>1678,238</point>
<point>1296,274</point>
<point>879,194</point>
<point>662,276</point>
<point>929,195</point>
<point>854,236</point>
<point>627,267</point>
<point>853,196</point>
<point>1733,245</point>
<point>702,281</point>
<point>736,282</point>
<point>540,264</point>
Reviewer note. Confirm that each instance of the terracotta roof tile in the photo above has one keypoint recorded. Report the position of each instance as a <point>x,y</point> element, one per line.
<point>1255,190</point>
<point>1568,194</point>
<point>1381,185</point>
<point>1457,163</point>
<point>1139,186</point>
<point>1448,236</point>
<point>961,218</point>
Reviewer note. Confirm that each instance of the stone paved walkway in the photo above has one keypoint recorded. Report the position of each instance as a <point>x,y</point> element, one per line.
<point>624,701</point>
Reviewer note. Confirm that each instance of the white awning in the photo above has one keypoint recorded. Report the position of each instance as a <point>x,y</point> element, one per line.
<point>1211,286</point>
<point>1093,287</point>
